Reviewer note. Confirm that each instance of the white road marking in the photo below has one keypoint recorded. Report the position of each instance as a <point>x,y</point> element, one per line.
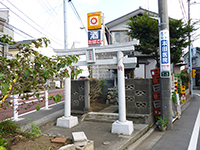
<point>195,134</point>
<point>197,94</point>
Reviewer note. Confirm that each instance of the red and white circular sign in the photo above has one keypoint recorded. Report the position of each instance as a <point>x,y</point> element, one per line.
<point>94,20</point>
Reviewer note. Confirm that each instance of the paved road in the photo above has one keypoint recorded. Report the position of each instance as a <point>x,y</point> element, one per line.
<point>181,137</point>
<point>9,112</point>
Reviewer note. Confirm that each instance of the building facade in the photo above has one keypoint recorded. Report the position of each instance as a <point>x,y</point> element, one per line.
<point>5,28</point>
<point>115,32</point>
<point>195,64</point>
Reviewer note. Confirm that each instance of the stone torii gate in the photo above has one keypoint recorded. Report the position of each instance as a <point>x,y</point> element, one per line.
<point>121,126</point>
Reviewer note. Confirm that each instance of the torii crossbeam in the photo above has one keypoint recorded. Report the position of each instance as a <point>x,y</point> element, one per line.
<point>121,126</point>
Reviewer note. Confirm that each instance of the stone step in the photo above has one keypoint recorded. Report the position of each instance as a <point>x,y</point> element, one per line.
<point>110,109</point>
<point>111,117</point>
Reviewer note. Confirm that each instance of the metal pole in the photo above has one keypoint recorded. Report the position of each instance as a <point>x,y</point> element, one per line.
<point>67,112</point>
<point>166,103</point>
<point>121,87</point>
<point>65,24</point>
<point>190,53</point>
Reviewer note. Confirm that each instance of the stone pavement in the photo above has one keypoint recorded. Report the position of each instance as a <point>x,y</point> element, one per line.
<point>97,131</point>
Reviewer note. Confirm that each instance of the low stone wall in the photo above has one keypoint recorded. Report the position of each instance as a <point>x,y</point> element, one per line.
<point>138,97</point>
<point>80,99</point>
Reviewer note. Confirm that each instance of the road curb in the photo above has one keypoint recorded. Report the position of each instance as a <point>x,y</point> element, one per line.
<point>43,120</point>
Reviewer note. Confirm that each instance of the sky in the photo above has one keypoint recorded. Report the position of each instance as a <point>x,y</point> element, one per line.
<point>44,18</point>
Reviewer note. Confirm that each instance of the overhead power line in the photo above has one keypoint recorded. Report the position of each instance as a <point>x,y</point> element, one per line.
<point>183,11</point>
<point>77,14</point>
<point>29,23</point>
<point>30,19</point>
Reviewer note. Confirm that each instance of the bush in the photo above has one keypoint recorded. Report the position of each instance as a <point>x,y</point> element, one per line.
<point>95,88</point>
<point>9,127</point>
<point>185,78</point>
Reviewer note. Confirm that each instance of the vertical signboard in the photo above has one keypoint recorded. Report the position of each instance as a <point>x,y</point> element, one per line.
<point>94,37</point>
<point>94,29</point>
<point>90,56</point>
<point>164,54</point>
<point>94,20</point>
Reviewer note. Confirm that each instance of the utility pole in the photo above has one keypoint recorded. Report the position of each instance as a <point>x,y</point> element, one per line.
<point>67,120</point>
<point>165,71</point>
<point>190,53</point>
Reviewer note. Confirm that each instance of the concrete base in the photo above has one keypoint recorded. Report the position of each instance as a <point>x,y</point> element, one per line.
<point>67,122</point>
<point>125,128</point>
<point>79,138</point>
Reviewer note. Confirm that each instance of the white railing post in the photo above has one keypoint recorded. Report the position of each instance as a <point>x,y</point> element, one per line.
<point>15,105</point>
<point>46,99</point>
<point>46,95</point>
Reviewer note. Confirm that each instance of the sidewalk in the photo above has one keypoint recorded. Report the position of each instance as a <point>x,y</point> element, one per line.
<point>99,132</point>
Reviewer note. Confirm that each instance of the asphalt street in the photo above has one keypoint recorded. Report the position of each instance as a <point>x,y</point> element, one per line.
<point>182,134</point>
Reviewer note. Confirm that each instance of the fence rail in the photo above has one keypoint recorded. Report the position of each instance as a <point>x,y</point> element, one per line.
<point>21,106</point>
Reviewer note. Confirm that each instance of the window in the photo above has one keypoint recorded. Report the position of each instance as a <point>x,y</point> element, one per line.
<point>194,61</point>
<point>119,37</point>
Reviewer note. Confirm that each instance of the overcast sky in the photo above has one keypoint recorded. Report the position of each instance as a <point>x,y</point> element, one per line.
<point>39,18</point>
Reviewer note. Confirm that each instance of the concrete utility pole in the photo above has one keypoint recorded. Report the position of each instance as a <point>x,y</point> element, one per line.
<point>190,53</point>
<point>67,120</point>
<point>165,71</point>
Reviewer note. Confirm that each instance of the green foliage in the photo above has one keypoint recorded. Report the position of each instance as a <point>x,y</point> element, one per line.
<point>164,121</point>
<point>75,71</point>
<point>2,148</point>
<point>34,131</point>
<point>95,88</point>
<point>146,30</point>
<point>7,39</point>
<point>29,70</point>
<point>185,78</point>
<point>9,127</point>
<point>37,107</point>
<point>2,142</point>
<point>57,97</point>
<point>90,71</point>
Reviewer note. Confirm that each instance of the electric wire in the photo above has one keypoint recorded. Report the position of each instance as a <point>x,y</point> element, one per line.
<point>49,12</point>
<point>51,19</point>
<point>29,18</point>
<point>28,23</point>
<point>183,10</point>
<point>77,15</point>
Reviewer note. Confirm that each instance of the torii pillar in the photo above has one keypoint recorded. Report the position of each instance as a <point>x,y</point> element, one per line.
<point>121,126</point>
<point>67,120</point>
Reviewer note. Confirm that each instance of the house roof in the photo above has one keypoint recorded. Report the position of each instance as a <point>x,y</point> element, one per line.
<point>126,17</point>
<point>21,42</point>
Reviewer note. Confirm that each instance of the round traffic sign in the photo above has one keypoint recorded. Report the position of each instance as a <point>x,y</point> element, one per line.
<point>93,20</point>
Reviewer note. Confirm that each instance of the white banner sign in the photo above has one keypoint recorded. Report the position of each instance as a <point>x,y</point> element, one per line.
<point>164,53</point>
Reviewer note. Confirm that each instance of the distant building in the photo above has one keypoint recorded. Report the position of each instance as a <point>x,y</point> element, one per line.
<point>5,28</point>
<point>195,63</point>
<point>115,32</point>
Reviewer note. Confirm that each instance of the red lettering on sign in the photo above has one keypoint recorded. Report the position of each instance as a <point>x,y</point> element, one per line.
<point>93,42</point>
<point>120,68</point>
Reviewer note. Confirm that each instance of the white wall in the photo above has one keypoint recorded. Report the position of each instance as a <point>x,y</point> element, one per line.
<point>149,67</point>
<point>120,26</point>
<point>4,14</point>
<point>139,72</point>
